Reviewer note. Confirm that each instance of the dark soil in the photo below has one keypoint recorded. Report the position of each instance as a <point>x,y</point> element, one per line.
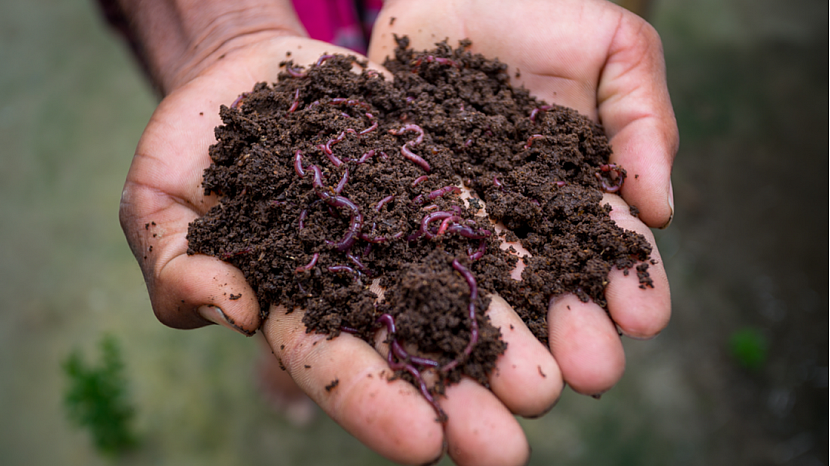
<point>540,169</point>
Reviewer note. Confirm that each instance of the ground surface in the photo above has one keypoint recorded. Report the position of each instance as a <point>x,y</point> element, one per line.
<point>746,250</point>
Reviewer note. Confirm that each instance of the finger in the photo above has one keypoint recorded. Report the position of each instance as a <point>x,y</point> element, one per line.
<point>526,379</point>
<point>185,291</point>
<point>635,109</point>
<point>349,380</point>
<point>585,344</point>
<point>480,430</point>
<point>640,312</point>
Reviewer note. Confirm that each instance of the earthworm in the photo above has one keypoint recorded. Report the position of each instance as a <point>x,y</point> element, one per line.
<point>343,268</point>
<point>535,112</point>
<point>395,349</point>
<point>363,158</point>
<point>298,163</point>
<point>323,59</point>
<point>616,175</point>
<point>369,129</point>
<point>471,313</point>
<point>401,353</point>
<point>442,417</point>
<point>360,265</point>
<point>379,239</point>
<point>349,330</point>
<point>419,180</point>
<point>296,72</point>
<point>236,103</point>
<point>443,191</point>
<point>388,321</point>
<point>296,102</point>
<point>342,182</point>
<point>479,253</point>
<point>228,255</point>
<point>419,199</point>
<point>499,184</point>
<point>410,127</point>
<point>350,102</point>
<point>307,267</point>
<point>431,217</point>
<point>560,183</point>
<point>415,158</point>
<point>468,232</point>
<point>432,58</point>
<point>533,138</point>
<point>383,202</point>
<point>303,216</point>
<point>445,224</point>
<point>408,154</point>
<point>356,221</point>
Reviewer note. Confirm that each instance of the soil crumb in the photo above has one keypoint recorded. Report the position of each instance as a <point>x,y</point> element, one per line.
<point>330,181</point>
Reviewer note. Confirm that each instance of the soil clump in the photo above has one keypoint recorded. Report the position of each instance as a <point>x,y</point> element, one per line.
<point>330,180</point>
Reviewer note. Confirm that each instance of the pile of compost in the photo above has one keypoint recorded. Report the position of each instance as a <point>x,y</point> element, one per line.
<point>330,181</point>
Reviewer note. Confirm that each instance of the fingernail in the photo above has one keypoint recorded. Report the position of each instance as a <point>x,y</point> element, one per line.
<point>671,206</point>
<point>215,315</point>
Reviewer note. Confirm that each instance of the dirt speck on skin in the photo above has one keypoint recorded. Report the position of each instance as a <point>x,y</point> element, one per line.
<point>334,383</point>
<point>329,180</point>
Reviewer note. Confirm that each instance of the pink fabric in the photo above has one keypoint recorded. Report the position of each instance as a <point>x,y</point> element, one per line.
<point>347,23</point>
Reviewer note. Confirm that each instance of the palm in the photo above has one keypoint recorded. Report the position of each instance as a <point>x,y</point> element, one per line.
<point>163,192</point>
<point>589,55</point>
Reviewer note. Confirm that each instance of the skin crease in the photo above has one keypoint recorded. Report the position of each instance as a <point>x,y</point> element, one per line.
<point>624,88</point>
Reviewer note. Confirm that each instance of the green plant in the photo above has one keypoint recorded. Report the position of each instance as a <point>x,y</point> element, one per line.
<point>749,348</point>
<point>96,399</point>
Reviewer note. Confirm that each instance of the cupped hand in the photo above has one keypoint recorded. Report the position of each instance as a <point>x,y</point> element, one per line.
<point>163,194</point>
<point>590,55</point>
<point>606,63</point>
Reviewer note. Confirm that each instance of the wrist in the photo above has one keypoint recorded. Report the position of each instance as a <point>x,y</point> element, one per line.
<point>179,39</point>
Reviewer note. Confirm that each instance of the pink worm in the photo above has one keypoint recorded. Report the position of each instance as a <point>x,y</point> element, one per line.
<point>342,184</point>
<point>396,350</point>
<point>307,267</point>
<point>298,163</point>
<point>350,102</point>
<point>236,103</point>
<point>419,199</point>
<point>533,138</point>
<point>383,202</point>
<point>296,72</point>
<point>478,254</point>
<point>356,220</point>
<point>616,176</point>
<point>432,217</point>
<point>471,313</point>
<point>323,59</point>
<point>535,112</point>
<point>296,102</point>
<point>407,153</point>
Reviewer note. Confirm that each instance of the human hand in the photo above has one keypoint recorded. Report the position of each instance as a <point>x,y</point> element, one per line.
<point>163,194</point>
<point>590,55</point>
<point>606,63</point>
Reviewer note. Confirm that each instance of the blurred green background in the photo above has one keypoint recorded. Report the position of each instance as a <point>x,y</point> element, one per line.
<point>738,378</point>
